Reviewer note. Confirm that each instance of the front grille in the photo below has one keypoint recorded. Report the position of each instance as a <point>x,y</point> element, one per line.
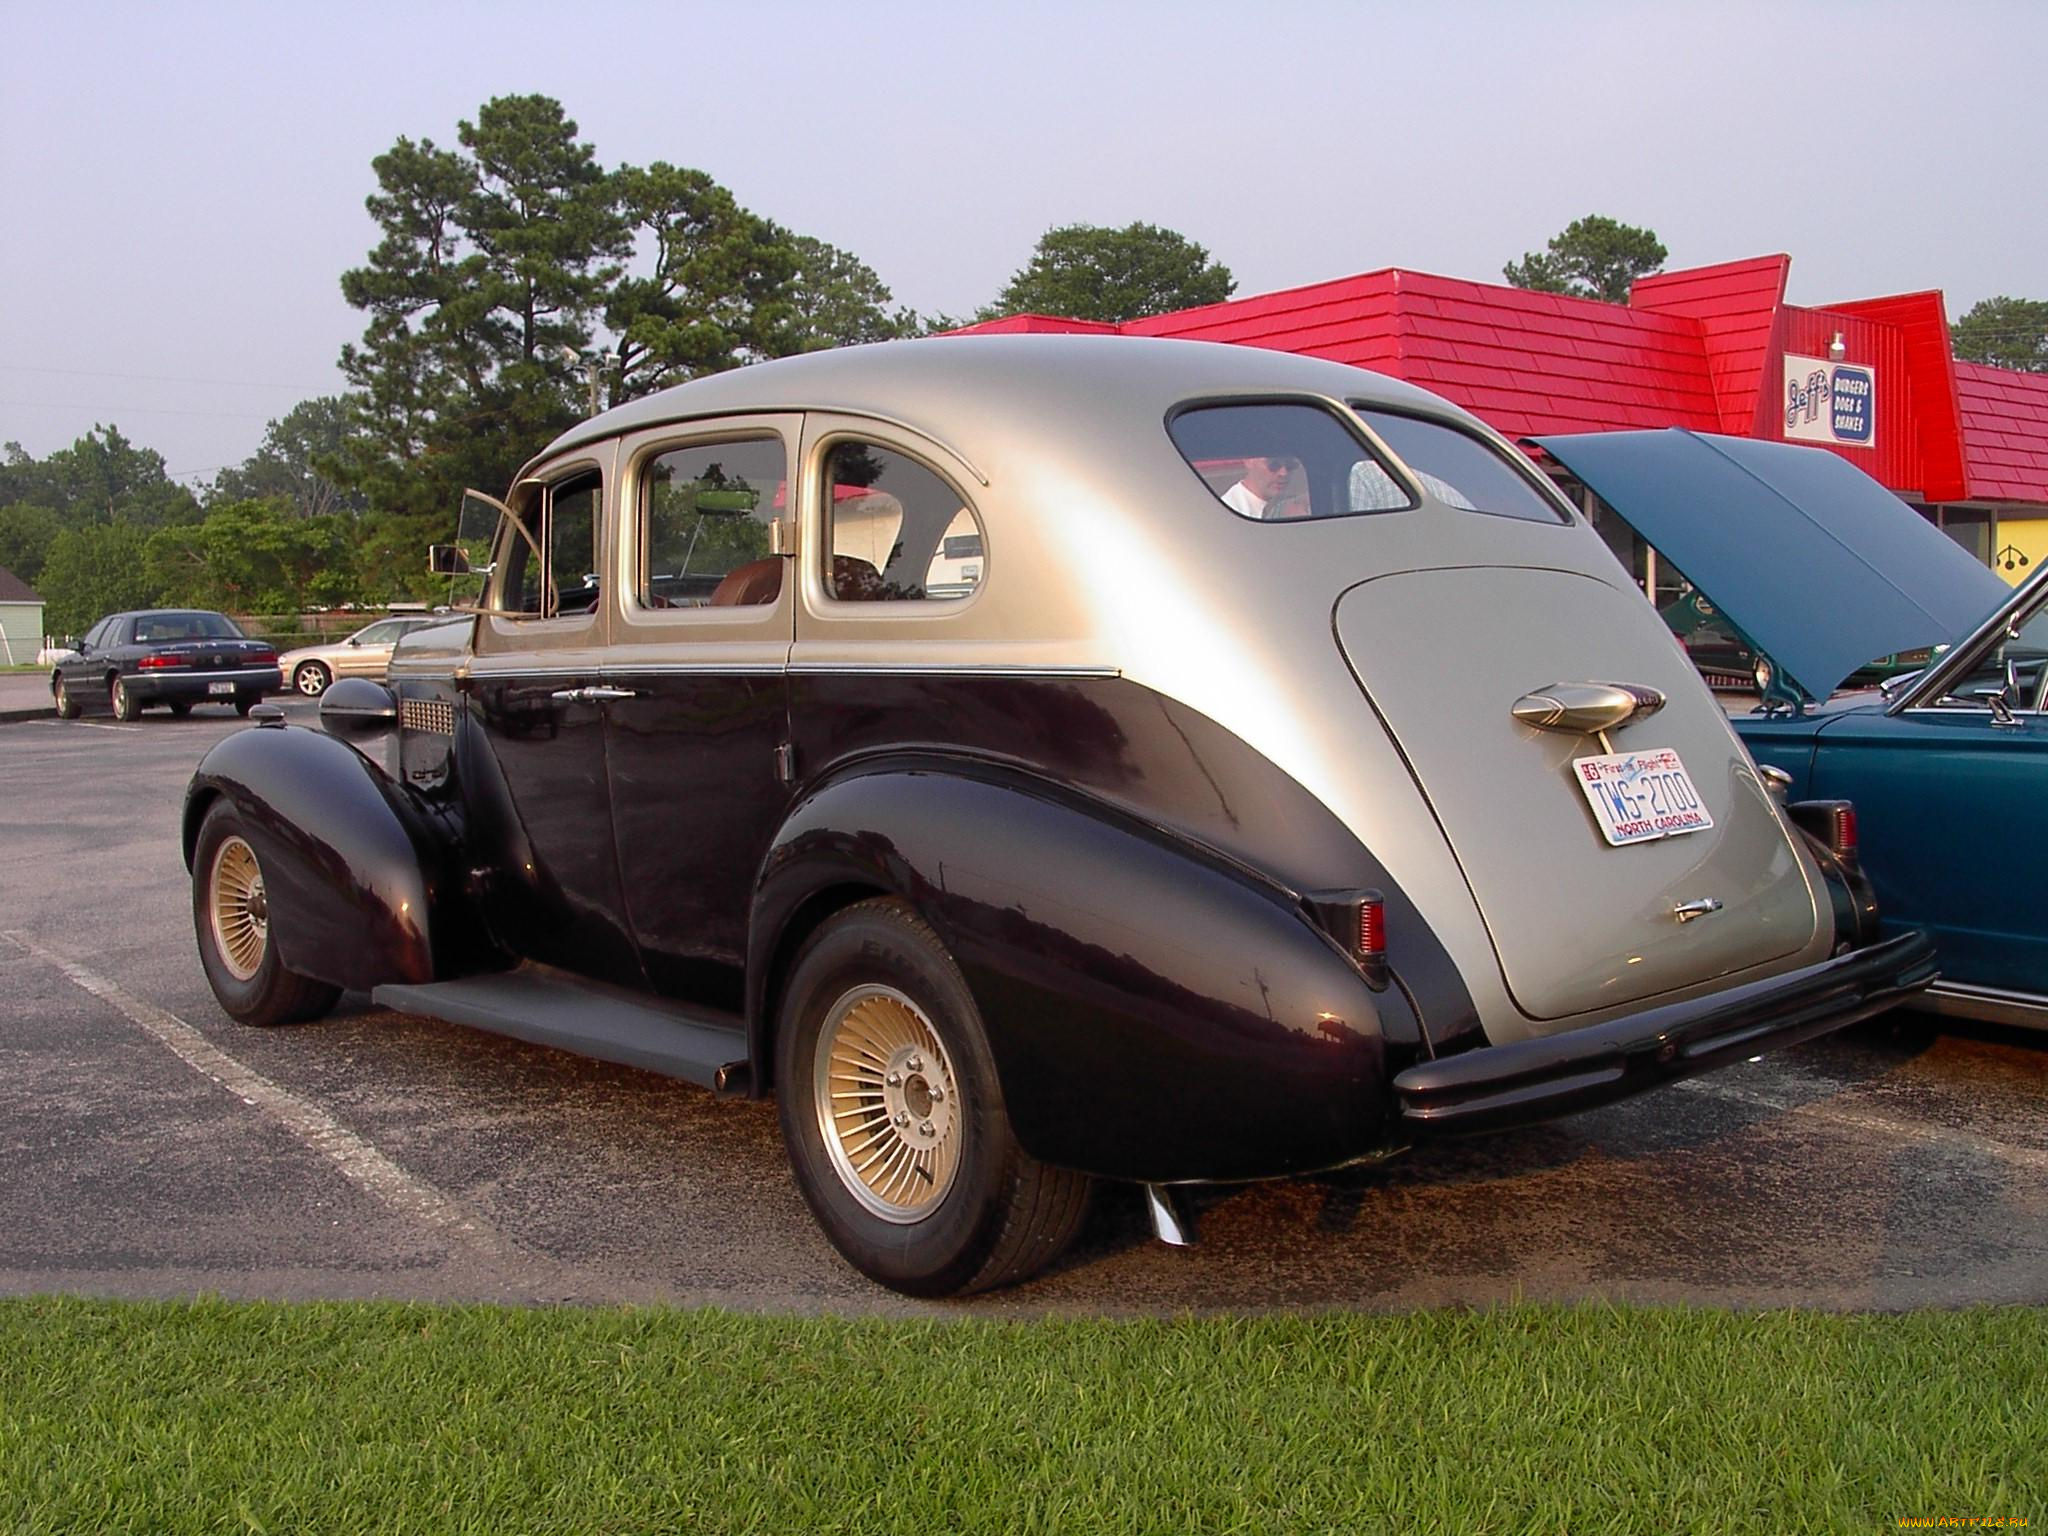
<point>434,716</point>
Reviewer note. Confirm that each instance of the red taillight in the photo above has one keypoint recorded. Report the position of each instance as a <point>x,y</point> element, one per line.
<point>263,658</point>
<point>1831,823</point>
<point>1842,834</point>
<point>1372,929</point>
<point>158,662</point>
<point>1356,919</point>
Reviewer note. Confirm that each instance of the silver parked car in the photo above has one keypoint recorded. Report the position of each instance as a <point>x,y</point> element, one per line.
<point>311,669</point>
<point>1039,760</point>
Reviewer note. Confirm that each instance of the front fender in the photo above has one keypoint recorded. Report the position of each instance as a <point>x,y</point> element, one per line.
<point>352,871</point>
<point>1154,1012</point>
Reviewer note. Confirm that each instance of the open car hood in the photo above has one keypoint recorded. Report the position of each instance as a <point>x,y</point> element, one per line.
<point>1822,568</point>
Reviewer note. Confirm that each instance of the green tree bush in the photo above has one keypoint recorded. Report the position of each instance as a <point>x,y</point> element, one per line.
<point>2005,332</point>
<point>1592,258</point>
<point>92,572</point>
<point>1089,272</point>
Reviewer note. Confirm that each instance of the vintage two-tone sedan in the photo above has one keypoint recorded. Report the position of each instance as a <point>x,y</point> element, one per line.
<point>1043,759</point>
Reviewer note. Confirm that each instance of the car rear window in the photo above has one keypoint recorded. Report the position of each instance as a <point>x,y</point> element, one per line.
<point>1460,469</point>
<point>156,628</point>
<point>1274,461</point>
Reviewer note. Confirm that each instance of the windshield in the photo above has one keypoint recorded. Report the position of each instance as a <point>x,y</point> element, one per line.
<point>2009,658</point>
<point>484,531</point>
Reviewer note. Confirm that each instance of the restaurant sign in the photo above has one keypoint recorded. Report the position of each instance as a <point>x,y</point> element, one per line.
<point>1828,402</point>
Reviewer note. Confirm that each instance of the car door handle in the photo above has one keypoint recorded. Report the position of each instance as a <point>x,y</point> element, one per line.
<point>592,695</point>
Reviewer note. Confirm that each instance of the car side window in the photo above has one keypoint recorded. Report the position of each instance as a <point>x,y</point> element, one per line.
<point>562,576</point>
<point>896,530</point>
<point>705,512</point>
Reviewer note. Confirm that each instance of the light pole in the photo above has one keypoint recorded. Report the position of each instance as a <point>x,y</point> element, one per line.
<point>593,367</point>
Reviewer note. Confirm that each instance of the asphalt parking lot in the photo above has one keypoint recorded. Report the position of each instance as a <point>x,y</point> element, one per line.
<point>154,1148</point>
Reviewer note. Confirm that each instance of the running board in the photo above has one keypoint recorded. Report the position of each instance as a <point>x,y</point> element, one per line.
<point>544,1006</point>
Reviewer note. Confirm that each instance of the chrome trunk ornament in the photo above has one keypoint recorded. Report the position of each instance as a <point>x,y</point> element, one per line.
<point>1587,709</point>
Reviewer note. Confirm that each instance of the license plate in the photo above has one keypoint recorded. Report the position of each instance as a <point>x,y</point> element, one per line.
<point>1638,797</point>
<point>220,687</point>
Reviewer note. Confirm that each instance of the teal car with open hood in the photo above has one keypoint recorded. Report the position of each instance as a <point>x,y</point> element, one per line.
<point>1823,569</point>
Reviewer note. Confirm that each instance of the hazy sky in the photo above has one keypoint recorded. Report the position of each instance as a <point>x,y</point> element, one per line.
<point>183,185</point>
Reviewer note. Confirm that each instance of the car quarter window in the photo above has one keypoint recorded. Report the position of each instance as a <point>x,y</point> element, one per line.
<point>705,515</point>
<point>1458,468</point>
<point>1272,461</point>
<point>895,529</point>
<point>562,577</point>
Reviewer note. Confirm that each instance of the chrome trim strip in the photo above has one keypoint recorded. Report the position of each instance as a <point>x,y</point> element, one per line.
<point>698,669</point>
<point>965,669</point>
<point>802,669</point>
<point>1990,1005</point>
<point>225,675</point>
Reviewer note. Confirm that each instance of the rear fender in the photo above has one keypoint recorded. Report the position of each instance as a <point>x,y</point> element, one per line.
<point>354,871</point>
<point>1154,1012</point>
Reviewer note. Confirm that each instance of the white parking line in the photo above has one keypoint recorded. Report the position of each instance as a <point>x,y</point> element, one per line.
<point>1876,1123</point>
<point>357,1160</point>
<point>90,725</point>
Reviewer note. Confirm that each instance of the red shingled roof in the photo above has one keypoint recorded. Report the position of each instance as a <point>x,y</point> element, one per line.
<point>1698,348</point>
<point>2005,431</point>
<point>1735,306</point>
<point>1527,362</point>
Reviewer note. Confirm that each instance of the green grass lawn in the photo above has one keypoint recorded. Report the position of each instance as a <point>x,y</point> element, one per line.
<point>228,1417</point>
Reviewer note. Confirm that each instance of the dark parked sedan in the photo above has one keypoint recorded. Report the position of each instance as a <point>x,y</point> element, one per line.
<point>173,656</point>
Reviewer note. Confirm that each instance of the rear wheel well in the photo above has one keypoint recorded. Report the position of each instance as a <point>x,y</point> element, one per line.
<point>195,814</point>
<point>809,916</point>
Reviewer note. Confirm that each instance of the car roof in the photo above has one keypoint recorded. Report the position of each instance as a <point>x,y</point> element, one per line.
<point>965,390</point>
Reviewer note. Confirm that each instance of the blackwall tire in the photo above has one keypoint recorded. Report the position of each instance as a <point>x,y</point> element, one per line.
<point>311,678</point>
<point>67,706</point>
<point>120,700</point>
<point>231,919</point>
<point>181,708</point>
<point>894,1118</point>
<point>244,703</point>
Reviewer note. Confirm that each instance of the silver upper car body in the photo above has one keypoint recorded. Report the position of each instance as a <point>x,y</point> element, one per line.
<point>1374,659</point>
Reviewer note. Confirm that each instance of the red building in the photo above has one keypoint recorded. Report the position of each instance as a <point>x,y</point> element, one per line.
<point>1716,349</point>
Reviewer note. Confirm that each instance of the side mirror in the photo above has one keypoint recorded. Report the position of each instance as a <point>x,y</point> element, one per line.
<point>447,560</point>
<point>352,640</point>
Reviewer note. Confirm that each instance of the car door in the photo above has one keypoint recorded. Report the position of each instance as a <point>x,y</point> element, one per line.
<point>539,798</point>
<point>1948,812</point>
<point>367,653</point>
<point>76,669</point>
<point>696,714</point>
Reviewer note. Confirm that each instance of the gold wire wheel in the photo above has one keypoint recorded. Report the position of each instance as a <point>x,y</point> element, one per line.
<point>238,909</point>
<point>888,1104</point>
